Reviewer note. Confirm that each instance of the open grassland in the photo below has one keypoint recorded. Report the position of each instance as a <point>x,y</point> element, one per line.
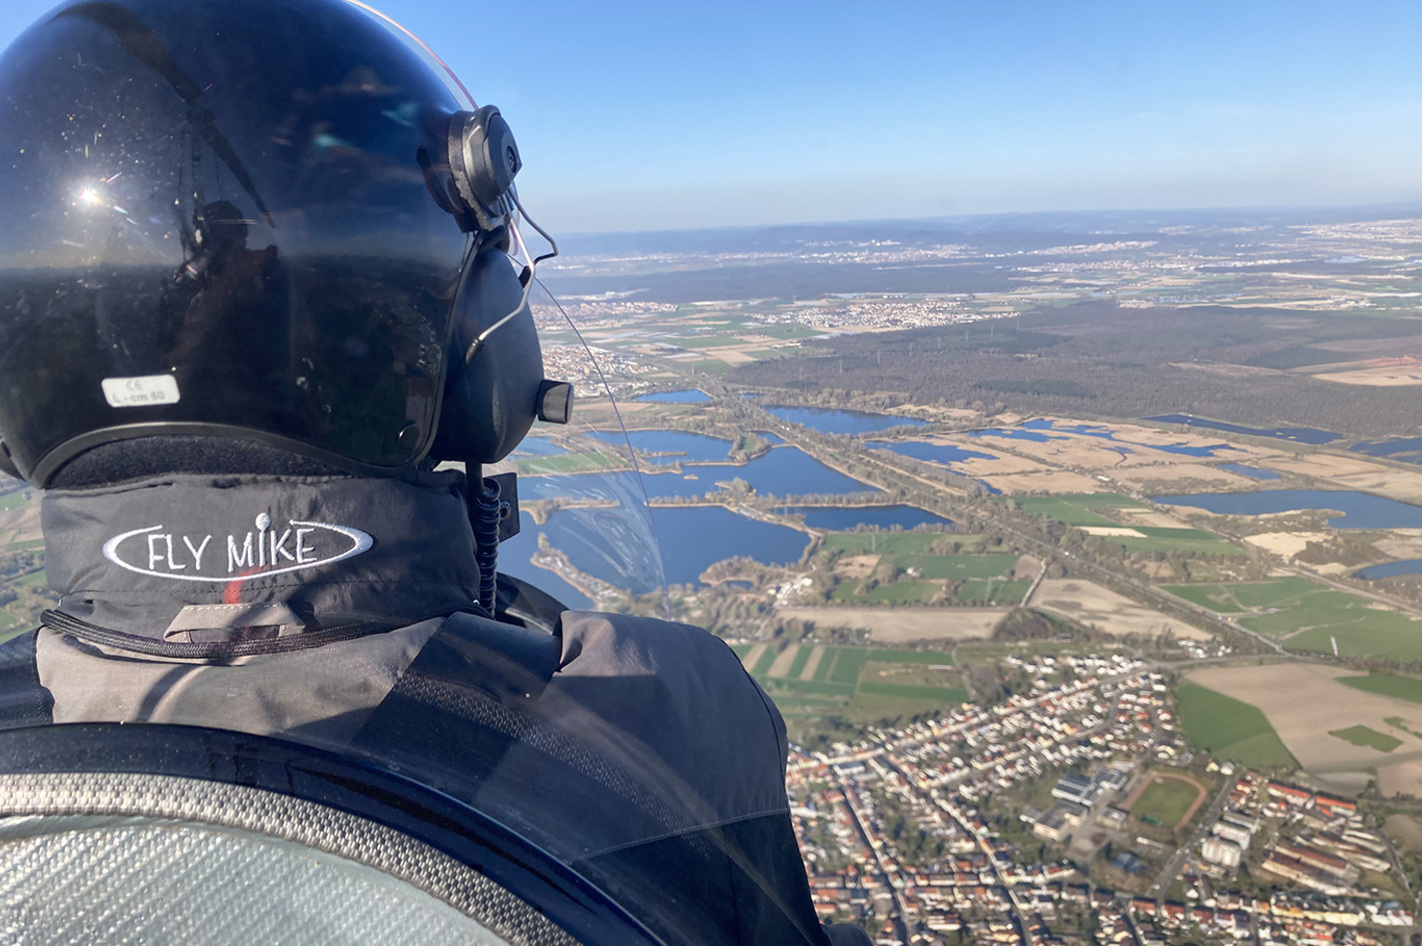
<point>1118,519</point>
<point>1167,799</point>
<point>1238,597</point>
<point>1305,615</point>
<point>570,463</point>
<point>1387,684</point>
<point>1229,729</point>
<point>1363,736</point>
<point>860,684</point>
<point>923,571</point>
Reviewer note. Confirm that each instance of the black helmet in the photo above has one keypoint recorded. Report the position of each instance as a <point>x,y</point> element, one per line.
<point>277,220</point>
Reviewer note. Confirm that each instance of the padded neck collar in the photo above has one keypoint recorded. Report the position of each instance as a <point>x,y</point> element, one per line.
<point>154,557</point>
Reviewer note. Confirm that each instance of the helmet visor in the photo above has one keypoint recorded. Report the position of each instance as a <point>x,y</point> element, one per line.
<point>207,233</point>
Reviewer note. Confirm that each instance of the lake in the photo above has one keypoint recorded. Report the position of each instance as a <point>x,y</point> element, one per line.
<point>1402,449</point>
<point>780,471</point>
<point>692,539</point>
<point>1411,566</point>
<point>537,447</point>
<point>1042,430</point>
<point>842,422</point>
<point>945,454</point>
<point>1307,435</point>
<point>1360,510</point>
<point>1253,472</point>
<point>688,447</point>
<point>845,518</point>
<point>677,397</point>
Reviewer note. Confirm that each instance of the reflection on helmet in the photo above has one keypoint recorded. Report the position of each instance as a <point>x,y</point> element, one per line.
<point>240,219</point>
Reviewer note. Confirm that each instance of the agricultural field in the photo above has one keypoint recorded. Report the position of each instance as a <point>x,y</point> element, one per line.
<point>1304,615</point>
<point>1088,603</point>
<point>905,625</point>
<point>1122,520</point>
<point>860,684</point>
<point>921,569</point>
<point>1230,729</point>
<point>1363,736</point>
<point>1387,684</point>
<point>1305,725</point>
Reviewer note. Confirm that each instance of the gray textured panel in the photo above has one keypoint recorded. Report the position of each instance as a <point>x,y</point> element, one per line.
<point>153,859</point>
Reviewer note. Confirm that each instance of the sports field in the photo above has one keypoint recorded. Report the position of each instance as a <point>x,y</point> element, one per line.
<point>1094,510</point>
<point>1167,800</point>
<point>1363,736</point>
<point>1229,729</point>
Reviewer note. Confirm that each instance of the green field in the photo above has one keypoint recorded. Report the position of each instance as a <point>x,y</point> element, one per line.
<point>1387,684</point>
<point>1166,799</point>
<point>14,500</point>
<point>1363,736</point>
<point>896,592</point>
<point>763,662</point>
<point>1229,729</point>
<point>910,657</point>
<point>942,694</point>
<point>1094,509</point>
<point>569,463</point>
<point>1306,616</point>
<point>1078,509</point>
<point>958,566</point>
<point>897,543</point>
<point>901,683</point>
<point>994,592</point>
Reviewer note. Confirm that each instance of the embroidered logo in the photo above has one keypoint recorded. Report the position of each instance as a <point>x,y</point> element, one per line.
<point>265,550</point>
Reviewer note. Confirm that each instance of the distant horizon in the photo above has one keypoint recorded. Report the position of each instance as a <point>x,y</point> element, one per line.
<point>1405,207</point>
<point>636,116</point>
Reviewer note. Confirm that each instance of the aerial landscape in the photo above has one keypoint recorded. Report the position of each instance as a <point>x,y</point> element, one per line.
<point>1079,550</point>
<point>1081,553</point>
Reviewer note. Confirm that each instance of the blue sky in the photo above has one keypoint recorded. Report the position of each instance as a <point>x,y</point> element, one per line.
<point>647,115</point>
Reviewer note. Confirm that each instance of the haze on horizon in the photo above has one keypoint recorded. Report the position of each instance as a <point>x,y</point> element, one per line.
<point>634,115</point>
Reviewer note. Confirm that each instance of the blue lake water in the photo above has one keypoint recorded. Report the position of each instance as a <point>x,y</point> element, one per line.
<point>688,447</point>
<point>1402,449</point>
<point>1042,430</point>
<point>842,422</point>
<point>514,558</point>
<point>844,518</point>
<point>942,453</point>
<point>768,437</point>
<point>1307,435</point>
<point>1360,510</point>
<point>538,447</point>
<point>692,539</point>
<point>1253,472</point>
<point>1411,566</point>
<point>677,397</point>
<point>992,490</point>
<point>781,471</point>
<point>1037,435</point>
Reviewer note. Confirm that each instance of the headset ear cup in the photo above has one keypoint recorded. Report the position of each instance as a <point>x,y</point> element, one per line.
<point>483,161</point>
<point>491,400</point>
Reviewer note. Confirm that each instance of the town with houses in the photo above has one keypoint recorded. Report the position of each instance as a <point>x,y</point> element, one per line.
<point>916,832</point>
